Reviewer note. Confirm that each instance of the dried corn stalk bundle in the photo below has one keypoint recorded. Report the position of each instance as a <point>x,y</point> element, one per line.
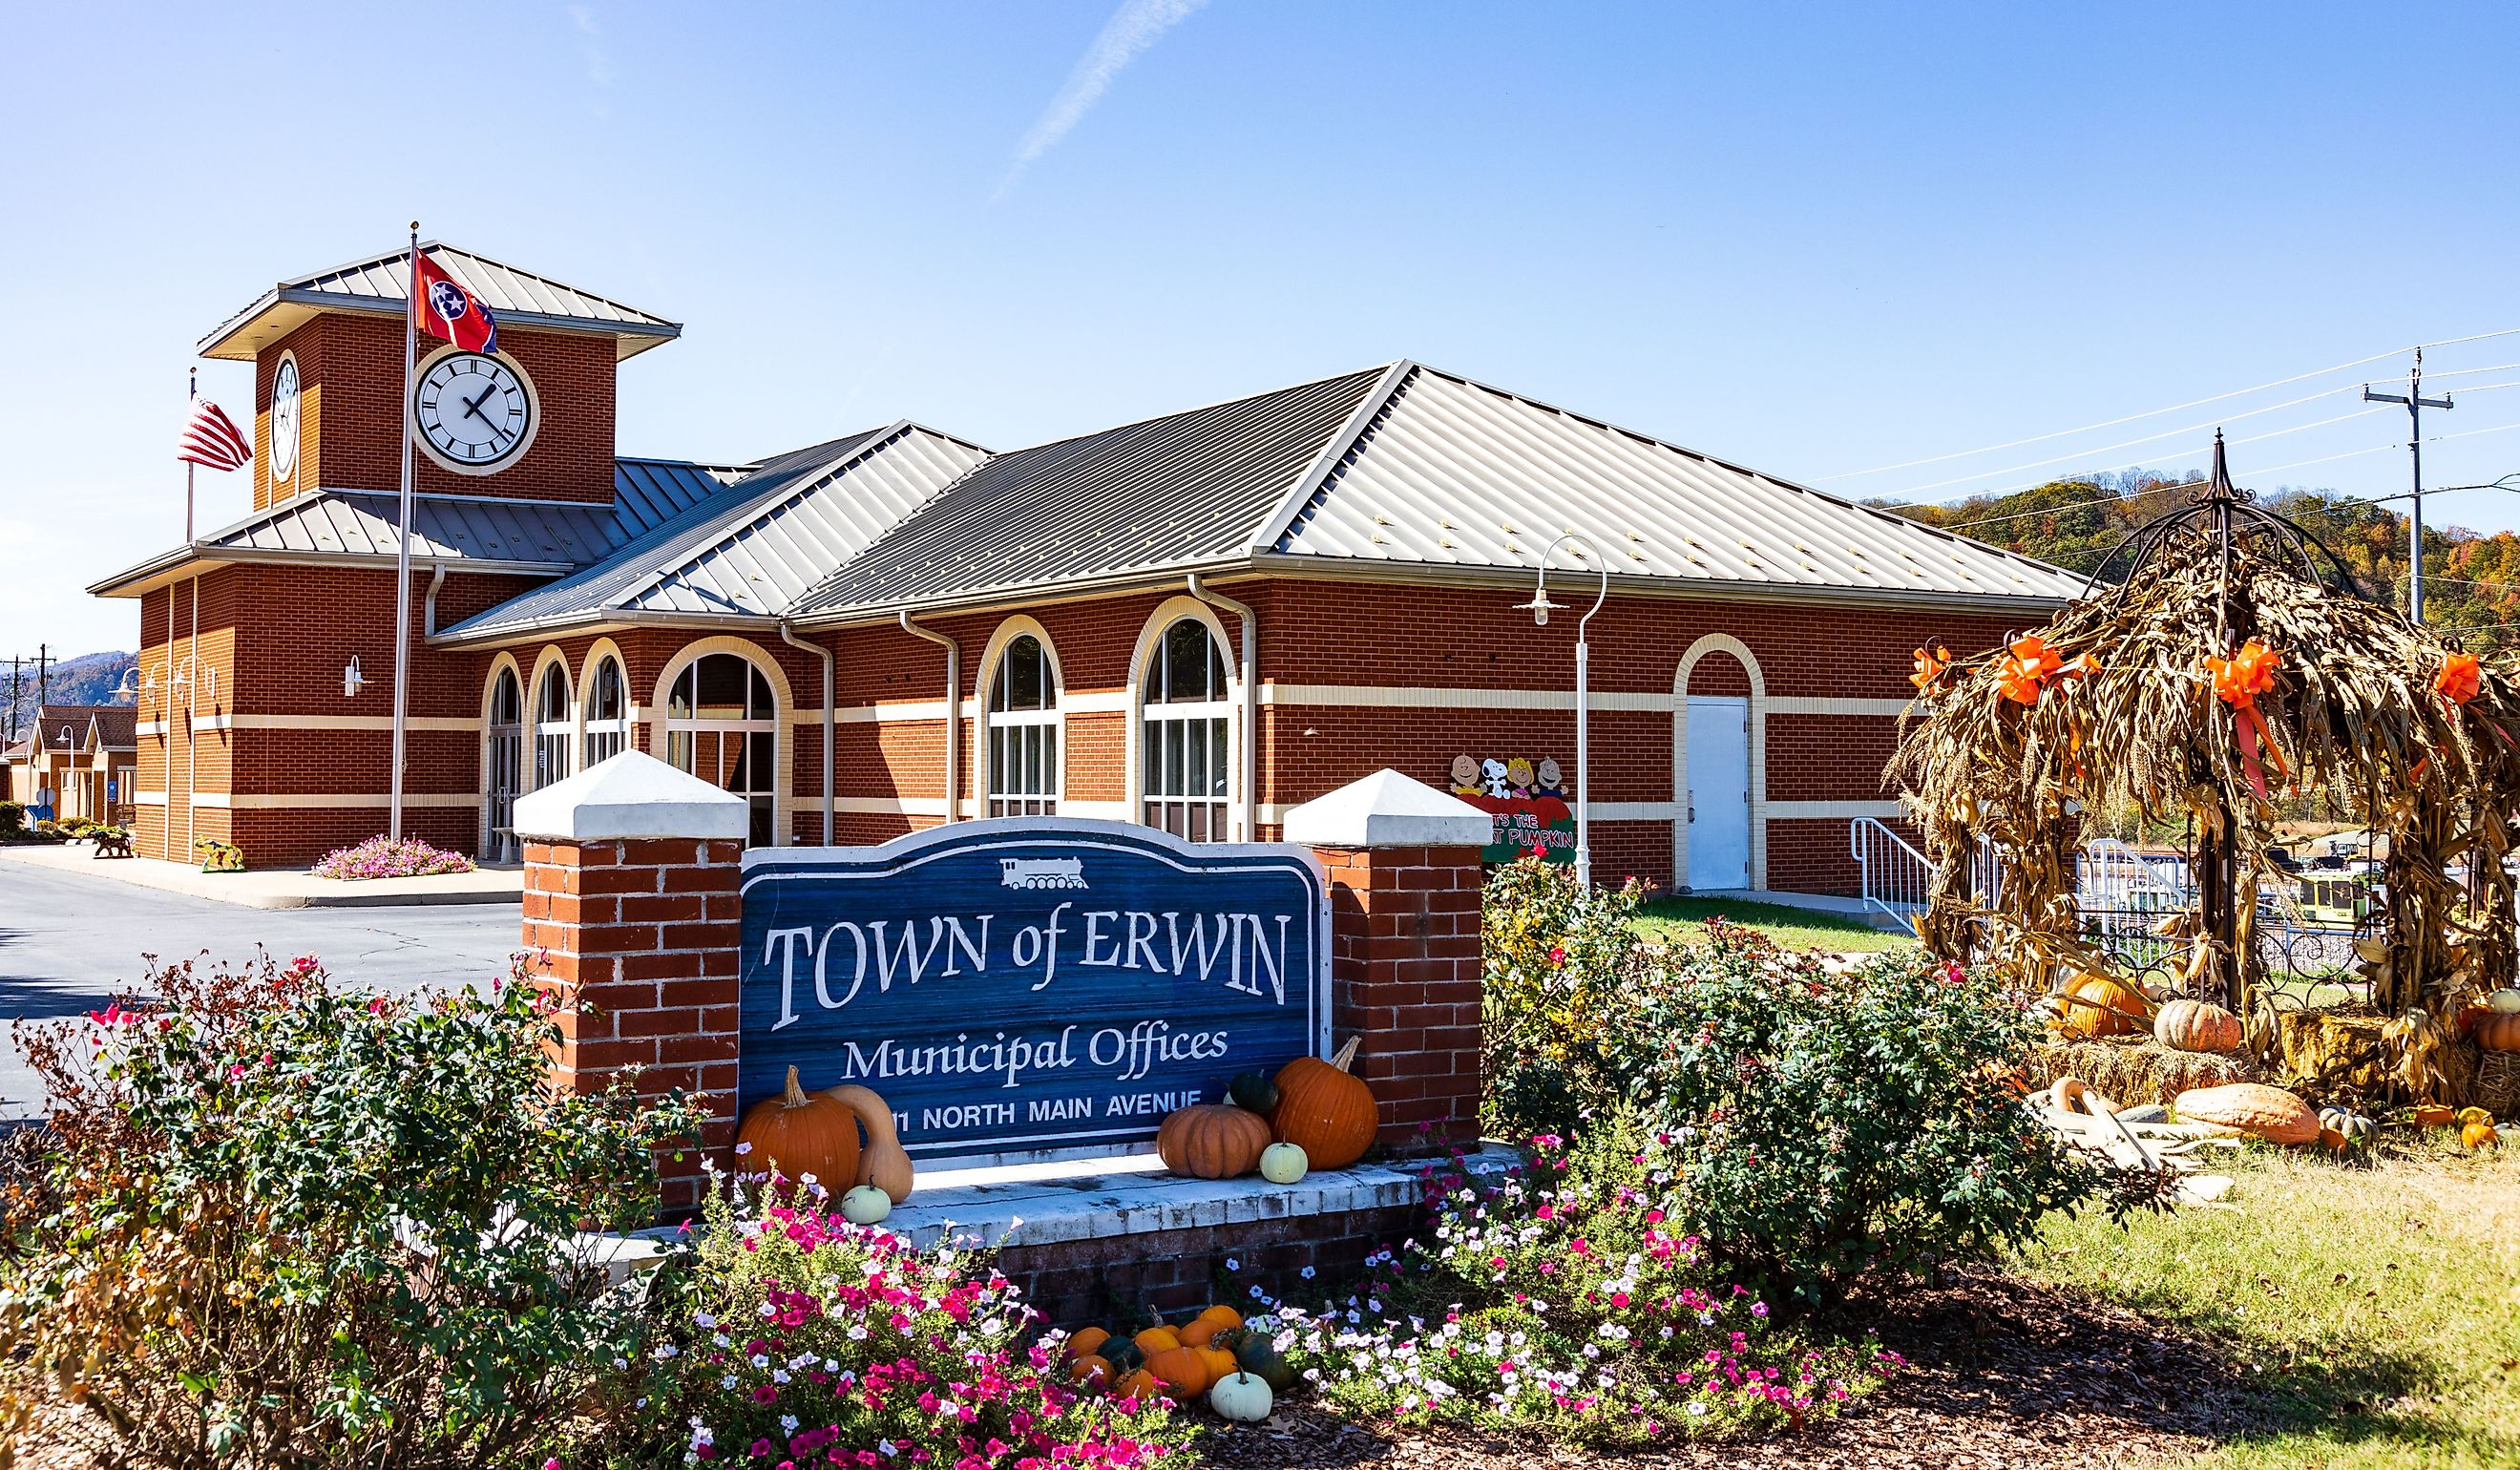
<point>2224,677</point>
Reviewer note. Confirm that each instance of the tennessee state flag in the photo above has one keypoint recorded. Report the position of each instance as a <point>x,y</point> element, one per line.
<point>441,308</point>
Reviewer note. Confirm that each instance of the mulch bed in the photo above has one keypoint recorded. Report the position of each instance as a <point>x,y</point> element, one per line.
<point>2002,1375</point>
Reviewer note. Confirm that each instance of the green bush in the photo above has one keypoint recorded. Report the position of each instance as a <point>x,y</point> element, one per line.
<point>74,827</point>
<point>291,1226</point>
<point>1823,1125</point>
<point>13,818</point>
<point>1558,961</point>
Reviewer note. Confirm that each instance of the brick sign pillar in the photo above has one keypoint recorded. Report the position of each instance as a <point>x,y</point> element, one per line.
<point>1406,881</point>
<point>631,891</point>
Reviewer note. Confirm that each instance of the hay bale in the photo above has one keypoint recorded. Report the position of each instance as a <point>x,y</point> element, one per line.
<point>2132,1071</point>
<point>2333,1056</point>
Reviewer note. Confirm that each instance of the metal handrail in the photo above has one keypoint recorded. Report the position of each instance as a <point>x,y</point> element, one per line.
<point>1892,875</point>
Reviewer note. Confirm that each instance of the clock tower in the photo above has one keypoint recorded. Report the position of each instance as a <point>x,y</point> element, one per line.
<point>532,420</point>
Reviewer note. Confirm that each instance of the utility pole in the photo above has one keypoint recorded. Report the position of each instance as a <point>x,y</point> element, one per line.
<point>14,663</point>
<point>2416,403</point>
<point>43,673</point>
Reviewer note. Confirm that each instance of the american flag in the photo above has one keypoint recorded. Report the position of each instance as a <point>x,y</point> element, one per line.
<point>211,439</point>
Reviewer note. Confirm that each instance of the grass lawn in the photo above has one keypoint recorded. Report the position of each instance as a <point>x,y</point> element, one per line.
<point>1676,921</point>
<point>2382,1307</point>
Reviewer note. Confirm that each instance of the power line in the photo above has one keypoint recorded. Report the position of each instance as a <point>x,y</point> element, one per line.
<point>2177,407</point>
<point>2149,438</point>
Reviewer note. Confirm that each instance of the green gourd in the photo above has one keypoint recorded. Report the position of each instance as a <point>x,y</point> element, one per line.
<point>1254,1091</point>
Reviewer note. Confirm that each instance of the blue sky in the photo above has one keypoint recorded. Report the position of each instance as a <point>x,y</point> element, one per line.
<point>1811,239</point>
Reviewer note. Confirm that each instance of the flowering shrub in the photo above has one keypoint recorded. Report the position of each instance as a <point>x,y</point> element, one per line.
<point>287,1224</point>
<point>791,1338</point>
<point>1566,1299</point>
<point>1557,956</point>
<point>386,858</point>
<point>1821,1124</point>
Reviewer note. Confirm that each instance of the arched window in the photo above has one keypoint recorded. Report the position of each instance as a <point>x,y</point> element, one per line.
<point>506,760</point>
<point>1187,717</point>
<point>1023,732</point>
<point>607,712</point>
<point>722,726</point>
<point>552,727</point>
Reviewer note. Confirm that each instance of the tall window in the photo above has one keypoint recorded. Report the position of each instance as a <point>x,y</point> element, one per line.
<point>1187,717</point>
<point>552,727</point>
<point>722,726</point>
<point>607,713</point>
<point>507,759</point>
<point>1023,731</point>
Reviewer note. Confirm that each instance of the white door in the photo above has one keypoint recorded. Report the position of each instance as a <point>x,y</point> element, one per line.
<point>1718,792</point>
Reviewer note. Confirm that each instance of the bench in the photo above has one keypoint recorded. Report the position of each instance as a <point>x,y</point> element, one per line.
<point>113,846</point>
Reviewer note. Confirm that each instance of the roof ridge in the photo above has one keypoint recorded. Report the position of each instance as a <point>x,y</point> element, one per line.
<point>401,256</point>
<point>1316,475</point>
<point>1231,398</point>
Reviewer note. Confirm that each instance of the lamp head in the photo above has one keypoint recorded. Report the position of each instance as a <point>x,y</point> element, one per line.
<point>1539,607</point>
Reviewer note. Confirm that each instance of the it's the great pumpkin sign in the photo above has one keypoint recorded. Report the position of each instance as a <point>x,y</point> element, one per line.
<point>1528,800</point>
<point>1030,987</point>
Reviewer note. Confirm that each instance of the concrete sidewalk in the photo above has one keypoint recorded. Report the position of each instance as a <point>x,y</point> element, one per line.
<point>274,888</point>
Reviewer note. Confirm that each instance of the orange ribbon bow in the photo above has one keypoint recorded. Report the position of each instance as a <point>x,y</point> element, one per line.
<point>2022,677</point>
<point>2460,679</point>
<point>1930,668</point>
<point>2238,681</point>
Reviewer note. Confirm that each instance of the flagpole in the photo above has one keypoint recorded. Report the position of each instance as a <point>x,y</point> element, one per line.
<point>192,395</point>
<point>402,546</point>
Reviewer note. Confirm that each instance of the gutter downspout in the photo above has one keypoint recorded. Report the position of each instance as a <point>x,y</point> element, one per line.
<point>429,601</point>
<point>788,636</point>
<point>1247,814</point>
<point>953,714</point>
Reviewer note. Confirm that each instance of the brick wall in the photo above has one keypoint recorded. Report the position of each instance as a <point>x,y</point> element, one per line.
<point>648,932</point>
<point>1405,973</point>
<point>1171,1274</point>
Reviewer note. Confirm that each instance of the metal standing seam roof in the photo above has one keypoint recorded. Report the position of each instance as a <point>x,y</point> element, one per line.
<point>382,283</point>
<point>1454,472</point>
<point>530,534</point>
<point>1185,487</point>
<point>646,492</point>
<point>753,550</point>
<point>1403,465</point>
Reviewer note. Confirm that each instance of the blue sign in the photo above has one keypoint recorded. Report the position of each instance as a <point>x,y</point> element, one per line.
<point>1031,987</point>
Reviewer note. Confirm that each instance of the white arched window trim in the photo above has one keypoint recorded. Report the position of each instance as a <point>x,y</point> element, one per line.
<point>660,717</point>
<point>1719,643</point>
<point>549,740</point>
<point>494,807</point>
<point>986,726</point>
<point>592,732</point>
<point>1230,706</point>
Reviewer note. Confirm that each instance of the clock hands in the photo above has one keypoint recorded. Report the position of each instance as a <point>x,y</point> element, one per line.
<point>472,410</point>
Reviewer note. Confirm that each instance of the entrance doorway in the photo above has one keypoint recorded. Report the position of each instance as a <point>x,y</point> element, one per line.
<point>1718,792</point>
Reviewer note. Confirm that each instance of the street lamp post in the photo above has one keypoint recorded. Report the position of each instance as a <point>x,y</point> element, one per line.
<point>1540,607</point>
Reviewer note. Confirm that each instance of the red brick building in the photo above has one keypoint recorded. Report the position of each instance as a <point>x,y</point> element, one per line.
<point>1197,620</point>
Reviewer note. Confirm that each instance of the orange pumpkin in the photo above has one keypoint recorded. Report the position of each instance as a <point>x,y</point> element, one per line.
<point>1156,1339</point>
<point>1223,1314</point>
<point>1093,1370</point>
<point>1212,1141</point>
<point>1091,1340</point>
<point>2197,1026</point>
<point>2480,1136</point>
<point>1220,1362</point>
<point>2099,1005</point>
<point>1185,1370</point>
<point>2434,1115</point>
<point>2499,1031</point>
<point>1143,1386</point>
<point>2251,1108</point>
<point>1203,1332</point>
<point>801,1135</point>
<point>1324,1110</point>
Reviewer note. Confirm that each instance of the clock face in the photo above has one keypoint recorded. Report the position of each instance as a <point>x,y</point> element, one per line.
<point>283,418</point>
<point>474,411</point>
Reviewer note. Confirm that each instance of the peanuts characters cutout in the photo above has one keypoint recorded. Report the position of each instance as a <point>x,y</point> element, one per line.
<point>1526,797</point>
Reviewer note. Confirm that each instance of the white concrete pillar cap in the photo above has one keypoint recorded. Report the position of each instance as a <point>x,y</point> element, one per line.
<point>1389,810</point>
<point>631,796</point>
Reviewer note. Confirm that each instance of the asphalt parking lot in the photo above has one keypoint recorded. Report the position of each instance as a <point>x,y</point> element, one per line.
<point>68,944</point>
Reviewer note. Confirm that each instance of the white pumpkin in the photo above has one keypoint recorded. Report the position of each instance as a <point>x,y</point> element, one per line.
<point>2505,1002</point>
<point>1242,1397</point>
<point>864,1204</point>
<point>1284,1163</point>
